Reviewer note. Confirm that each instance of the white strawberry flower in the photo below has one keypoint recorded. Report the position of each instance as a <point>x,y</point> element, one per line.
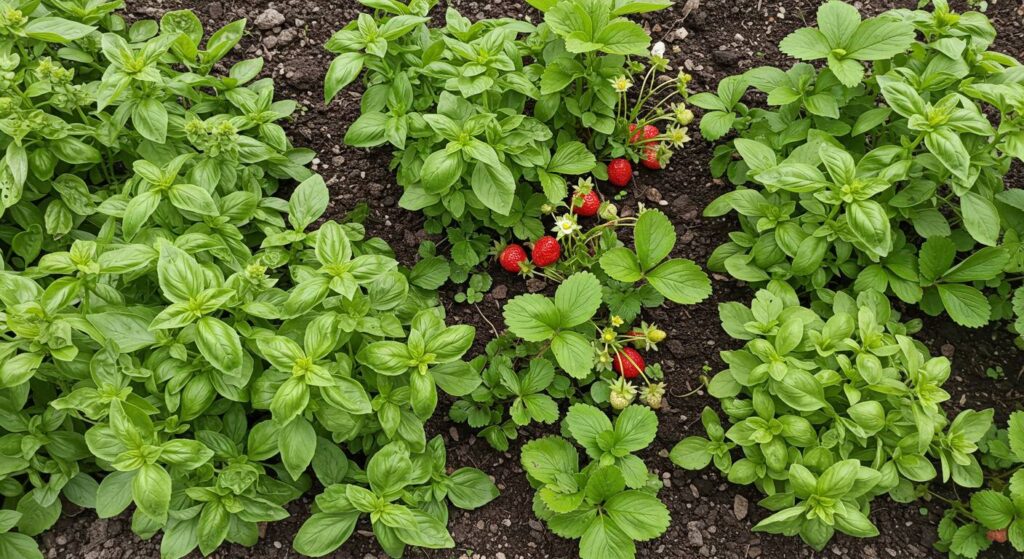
<point>565,225</point>
<point>621,84</point>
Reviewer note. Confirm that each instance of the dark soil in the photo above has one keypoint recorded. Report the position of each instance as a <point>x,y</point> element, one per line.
<point>709,517</point>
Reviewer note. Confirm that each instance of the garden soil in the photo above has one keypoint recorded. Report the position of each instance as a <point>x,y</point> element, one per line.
<point>711,39</point>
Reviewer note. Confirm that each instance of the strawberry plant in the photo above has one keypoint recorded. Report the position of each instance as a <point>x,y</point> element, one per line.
<point>829,411</point>
<point>175,336</point>
<point>889,180</point>
<point>590,54</point>
<point>517,390</point>
<point>585,333</point>
<point>487,119</point>
<point>556,321</point>
<point>612,501</point>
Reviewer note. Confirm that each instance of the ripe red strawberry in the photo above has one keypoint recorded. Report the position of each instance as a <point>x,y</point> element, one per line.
<point>586,204</point>
<point>628,363</point>
<point>546,251</point>
<point>620,172</point>
<point>650,158</point>
<point>649,132</point>
<point>997,536</point>
<point>511,257</point>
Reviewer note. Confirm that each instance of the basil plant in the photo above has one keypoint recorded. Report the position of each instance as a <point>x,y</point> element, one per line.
<point>829,411</point>
<point>174,335</point>
<point>891,180</point>
<point>452,104</point>
<point>406,502</point>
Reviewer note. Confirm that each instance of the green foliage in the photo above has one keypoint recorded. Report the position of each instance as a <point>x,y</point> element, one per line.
<point>844,41</point>
<point>510,398</point>
<point>536,318</point>
<point>678,280</point>
<point>558,320</point>
<point>406,500</point>
<point>586,52</point>
<point>452,103</point>
<point>612,501</point>
<point>487,119</point>
<point>965,527</point>
<point>172,334</point>
<point>830,410</point>
<point>893,181</point>
<point>563,347</point>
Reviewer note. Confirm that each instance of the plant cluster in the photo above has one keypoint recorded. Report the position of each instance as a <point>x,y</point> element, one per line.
<point>487,122</point>
<point>889,180</point>
<point>488,119</point>
<point>855,184</point>
<point>583,343</point>
<point>172,334</point>
<point>994,515</point>
<point>406,500</point>
<point>829,412</point>
<point>612,501</point>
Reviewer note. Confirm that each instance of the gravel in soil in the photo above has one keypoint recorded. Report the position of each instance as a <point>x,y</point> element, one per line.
<point>710,518</point>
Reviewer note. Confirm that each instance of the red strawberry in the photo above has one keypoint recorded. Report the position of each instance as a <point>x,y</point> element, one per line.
<point>511,258</point>
<point>997,536</point>
<point>649,132</point>
<point>546,251</point>
<point>639,339</point>
<point>586,204</point>
<point>634,136</point>
<point>628,363</point>
<point>620,172</point>
<point>651,159</point>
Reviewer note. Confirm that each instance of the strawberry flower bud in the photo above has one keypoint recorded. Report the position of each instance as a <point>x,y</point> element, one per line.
<point>608,335</point>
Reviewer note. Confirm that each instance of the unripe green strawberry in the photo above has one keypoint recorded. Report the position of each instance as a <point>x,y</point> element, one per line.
<point>653,395</point>
<point>622,394</point>
<point>609,211</point>
<point>656,335</point>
